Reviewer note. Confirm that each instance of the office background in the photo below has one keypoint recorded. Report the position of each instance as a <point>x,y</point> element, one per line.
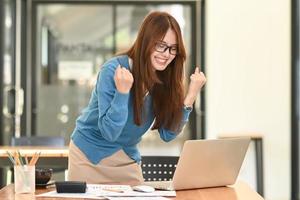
<point>244,47</point>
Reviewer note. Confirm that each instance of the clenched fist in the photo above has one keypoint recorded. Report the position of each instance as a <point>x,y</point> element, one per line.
<point>123,79</point>
<point>197,80</point>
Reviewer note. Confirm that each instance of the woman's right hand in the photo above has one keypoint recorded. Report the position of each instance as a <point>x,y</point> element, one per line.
<point>123,79</point>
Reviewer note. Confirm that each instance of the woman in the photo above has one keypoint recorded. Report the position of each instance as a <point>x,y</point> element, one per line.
<point>140,89</point>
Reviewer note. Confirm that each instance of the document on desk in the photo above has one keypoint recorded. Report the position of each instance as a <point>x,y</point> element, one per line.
<point>137,198</point>
<point>99,191</point>
<point>54,194</point>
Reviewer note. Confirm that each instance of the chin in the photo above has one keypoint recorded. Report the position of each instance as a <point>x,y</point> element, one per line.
<point>160,67</point>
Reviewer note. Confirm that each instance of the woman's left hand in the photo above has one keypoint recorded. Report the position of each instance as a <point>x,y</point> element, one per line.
<point>197,81</point>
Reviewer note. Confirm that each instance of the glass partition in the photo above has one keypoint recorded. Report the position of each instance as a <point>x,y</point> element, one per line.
<point>7,80</point>
<point>73,41</point>
<point>8,71</point>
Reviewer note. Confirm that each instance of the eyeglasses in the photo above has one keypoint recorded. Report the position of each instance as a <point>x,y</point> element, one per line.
<point>162,47</point>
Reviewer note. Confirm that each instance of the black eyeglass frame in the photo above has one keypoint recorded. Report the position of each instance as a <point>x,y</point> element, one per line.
<point>165,48</point>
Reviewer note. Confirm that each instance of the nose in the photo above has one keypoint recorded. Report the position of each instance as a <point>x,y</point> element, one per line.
<point>166,53</point>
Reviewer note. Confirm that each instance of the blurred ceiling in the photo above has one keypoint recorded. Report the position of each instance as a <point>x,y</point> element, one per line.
<point>85,23</point>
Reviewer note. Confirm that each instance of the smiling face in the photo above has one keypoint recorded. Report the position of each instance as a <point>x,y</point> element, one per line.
<point>160,60</point>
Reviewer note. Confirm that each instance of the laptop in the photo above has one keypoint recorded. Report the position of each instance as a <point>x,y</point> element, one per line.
<point>206,163</point>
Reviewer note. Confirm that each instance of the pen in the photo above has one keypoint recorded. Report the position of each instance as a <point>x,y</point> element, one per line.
<point>11,158</point>
<point>16,158</point>
<point>37,157</point>
<point>20,157</point>
<point>34,158</point>
<point>26,159</point>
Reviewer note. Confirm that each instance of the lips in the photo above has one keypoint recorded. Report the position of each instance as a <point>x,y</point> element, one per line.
<point>161,61</point>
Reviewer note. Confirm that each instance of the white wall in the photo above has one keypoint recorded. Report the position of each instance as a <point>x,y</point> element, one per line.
<point>248,72</point>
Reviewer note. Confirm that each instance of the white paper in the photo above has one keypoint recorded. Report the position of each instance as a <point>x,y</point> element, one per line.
<point>137,198</point>
<point>97,191</point>
<point>70,195</point>
<point>123,191</point>
<point>140,194</point>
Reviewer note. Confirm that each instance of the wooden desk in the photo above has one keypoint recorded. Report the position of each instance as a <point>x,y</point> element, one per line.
<point>50,156</point>
<point>240,191</point>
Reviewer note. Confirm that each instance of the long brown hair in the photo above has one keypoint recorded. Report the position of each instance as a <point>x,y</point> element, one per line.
<point>165,87</point>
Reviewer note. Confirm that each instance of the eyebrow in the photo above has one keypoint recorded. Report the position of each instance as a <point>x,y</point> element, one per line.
<point>168,44</point>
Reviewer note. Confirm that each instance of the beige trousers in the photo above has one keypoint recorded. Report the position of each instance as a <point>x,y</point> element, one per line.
<point>117,168</point>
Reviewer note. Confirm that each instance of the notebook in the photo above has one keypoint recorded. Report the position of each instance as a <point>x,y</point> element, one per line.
<point>207,163</point>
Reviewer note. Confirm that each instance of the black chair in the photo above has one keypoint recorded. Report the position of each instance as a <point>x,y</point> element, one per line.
<point>158,168</point>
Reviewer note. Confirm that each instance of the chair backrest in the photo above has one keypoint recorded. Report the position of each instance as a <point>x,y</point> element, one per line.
<point>159,168</point>
<point>55,141</point>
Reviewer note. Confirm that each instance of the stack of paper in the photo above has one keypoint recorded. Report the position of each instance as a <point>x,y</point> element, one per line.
<point>113,192</point>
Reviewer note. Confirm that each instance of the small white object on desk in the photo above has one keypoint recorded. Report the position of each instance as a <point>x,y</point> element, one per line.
<point>143,188</point>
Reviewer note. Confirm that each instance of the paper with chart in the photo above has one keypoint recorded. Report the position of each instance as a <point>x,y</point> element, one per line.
<point>98,191</point>
<point>137,198</point>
